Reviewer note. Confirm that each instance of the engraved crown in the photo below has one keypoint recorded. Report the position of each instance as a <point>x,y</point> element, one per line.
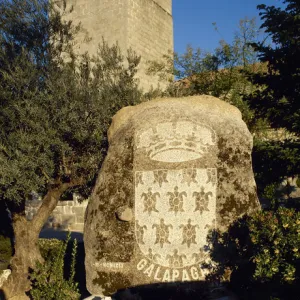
<point>176,141</point>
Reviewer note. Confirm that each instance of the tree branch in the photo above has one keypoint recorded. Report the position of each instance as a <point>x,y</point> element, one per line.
<point>46,175</point>
<point>51,199</point>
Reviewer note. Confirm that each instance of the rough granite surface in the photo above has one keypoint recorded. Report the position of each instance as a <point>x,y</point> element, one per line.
<point>176,169</point>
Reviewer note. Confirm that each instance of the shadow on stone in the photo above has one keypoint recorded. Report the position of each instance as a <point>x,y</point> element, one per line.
<point>179,167</point>
<point>2,297</point>
<point>176,291</point>
<point>233,253</point>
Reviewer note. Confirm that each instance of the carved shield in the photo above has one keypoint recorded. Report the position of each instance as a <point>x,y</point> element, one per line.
<point>174,211</point>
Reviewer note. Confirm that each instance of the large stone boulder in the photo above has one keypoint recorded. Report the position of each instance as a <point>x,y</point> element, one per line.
<point>176,169</point>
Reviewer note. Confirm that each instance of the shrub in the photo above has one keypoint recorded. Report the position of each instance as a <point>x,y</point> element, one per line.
<point>5,250</point>
<point>262,254</point>
<point>48,281</point>
<point>275,236</point>
<point>50,247</point>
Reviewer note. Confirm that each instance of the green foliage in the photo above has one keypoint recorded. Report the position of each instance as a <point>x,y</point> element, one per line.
<point>273,160</point>
<point>48,281</point>
<point>298,181</point>
<point>262,253</point>
<point>279,100</point>
<point>55,109</point>
<point>221,73</point>
<point>272,195</point>
<point>228,73</point>
<point>55,105</point>
<point>49,248</point>
<point>5,250</point>
<point>275,237</point>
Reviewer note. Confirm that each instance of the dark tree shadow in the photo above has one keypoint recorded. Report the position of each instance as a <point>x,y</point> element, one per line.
<point>6,228</point>
<point>6,237</point>
<point>232,276</point>
<point>2,297</point>
<point>233,252</point>
<point>175,291</point>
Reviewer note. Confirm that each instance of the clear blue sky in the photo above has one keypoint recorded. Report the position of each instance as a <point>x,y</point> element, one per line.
<point>193,20</point>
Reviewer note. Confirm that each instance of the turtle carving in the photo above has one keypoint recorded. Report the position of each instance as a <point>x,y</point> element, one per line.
<point>140,230</point>
<point>200,256</point>
<point>150,201</point>
<point>139,178</point>
<point>189,233</point>
<point>175,260</point>
<point>162,233</point>
<point>202,200</point>
<point>212,176</point>
<point>153,256</point>
<point>176,200</point>
<point>160,176</point>
<point>189,176</point>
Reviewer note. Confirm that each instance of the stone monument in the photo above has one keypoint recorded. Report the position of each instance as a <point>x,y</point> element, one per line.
<point>146,26</point>
<point>175,170</point>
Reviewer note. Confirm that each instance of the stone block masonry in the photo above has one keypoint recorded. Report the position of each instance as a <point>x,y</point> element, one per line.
<point>150,34</point>
<point>146,26</point>
<point>68,215</point>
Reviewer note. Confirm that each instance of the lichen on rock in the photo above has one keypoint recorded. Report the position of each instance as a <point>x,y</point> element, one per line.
<point>176,169</point>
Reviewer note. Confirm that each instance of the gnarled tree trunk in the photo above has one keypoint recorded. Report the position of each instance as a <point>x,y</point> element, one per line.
<point>27,252</point>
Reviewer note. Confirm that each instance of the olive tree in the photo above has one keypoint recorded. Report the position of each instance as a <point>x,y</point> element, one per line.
<point>55,110</point>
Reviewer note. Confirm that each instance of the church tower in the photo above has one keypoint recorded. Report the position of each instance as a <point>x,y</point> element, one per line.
<point>146,26</point>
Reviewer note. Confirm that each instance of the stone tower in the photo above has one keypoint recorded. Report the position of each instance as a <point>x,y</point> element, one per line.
<point>146,26</point>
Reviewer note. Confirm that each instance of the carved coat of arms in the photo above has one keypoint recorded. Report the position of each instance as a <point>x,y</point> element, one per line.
<point>174,210</point>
